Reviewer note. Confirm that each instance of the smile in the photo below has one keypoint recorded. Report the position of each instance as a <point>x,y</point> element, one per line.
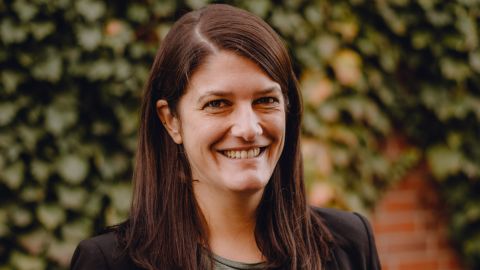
<point>243,154</point>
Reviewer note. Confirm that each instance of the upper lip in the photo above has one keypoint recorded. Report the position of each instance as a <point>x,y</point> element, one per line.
<point>240,148</point>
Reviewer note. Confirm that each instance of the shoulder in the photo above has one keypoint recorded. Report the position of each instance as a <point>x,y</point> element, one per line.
<point>352,238</point>
<point>100,252</point>
<point>345,227</point>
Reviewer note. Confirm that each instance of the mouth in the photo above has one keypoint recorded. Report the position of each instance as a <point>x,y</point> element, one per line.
<point>243,154</point>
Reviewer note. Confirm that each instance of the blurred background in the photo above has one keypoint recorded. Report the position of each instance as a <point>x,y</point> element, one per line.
<point>391,128</point>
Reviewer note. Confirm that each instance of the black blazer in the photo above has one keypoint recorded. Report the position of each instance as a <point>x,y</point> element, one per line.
<point>353,247</point>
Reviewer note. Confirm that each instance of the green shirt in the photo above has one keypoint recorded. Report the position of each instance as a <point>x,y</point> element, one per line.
<point>226,264</point>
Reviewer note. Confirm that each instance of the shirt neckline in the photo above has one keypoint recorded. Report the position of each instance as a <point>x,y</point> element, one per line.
<point>236,264</point>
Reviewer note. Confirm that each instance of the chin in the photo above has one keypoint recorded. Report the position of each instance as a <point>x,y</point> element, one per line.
<point>251,185</point>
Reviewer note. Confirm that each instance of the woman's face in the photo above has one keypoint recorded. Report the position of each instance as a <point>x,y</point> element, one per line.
<point>232,124</point>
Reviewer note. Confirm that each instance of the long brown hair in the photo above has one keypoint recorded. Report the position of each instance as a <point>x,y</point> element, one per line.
<point>164,229</point>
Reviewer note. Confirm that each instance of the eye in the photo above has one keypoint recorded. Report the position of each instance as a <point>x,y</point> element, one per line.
<point>216,104</point>
<point>267,101</point>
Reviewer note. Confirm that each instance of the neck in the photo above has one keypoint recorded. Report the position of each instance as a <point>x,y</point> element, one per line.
<point>230,219</point>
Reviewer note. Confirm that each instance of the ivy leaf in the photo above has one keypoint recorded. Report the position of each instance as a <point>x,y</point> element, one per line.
<point>454,69</point>
<point>328,112</point>
<point>473,211</point>
<point>4,230</point>
<point>71,197</point>
<point>72,168</point>
<point>32,194</point>
<point>123,70</point>
<point>13,175</point>
<point>259,7</point>
<point>29,136</point>
<point>50,69</point>
<point>138,13</point>
<point>427,4</point>
<point>40,170</point>
<point>100,70</point>
<point>395,22</point>
<point>61,252</point>
<point>313,14</point>
<point>467,25</point>
<point>111,166</point>
<point>472,245</point>
<point>138,50</point>
<point>12,33</point>
<point>164,8</point>
<point>196,4</point>
<point>50,215</point>
<point>444,161</point>
<point>120,195</point>
<point>25,10</point>
<point>347,65</point>
<point>128,119</point>
<point>421,39</point>
<point>287,22</point>
<point>93,205</point>
<point>439,18</point>
<point>23,261</point>
<point>118,35</point>
<point>114,216</point>
<point>10,79</point>
<point>90,9</point>
<point>40,30</point>
<point>34,242</point>
<point>58,118</point>
<point>78,230</point>
<point>474,60</point>
<point>20,216</point>
<point>89,37</point>
<point>326,46</point>
<point>343,135</point>
<point>7,112</point>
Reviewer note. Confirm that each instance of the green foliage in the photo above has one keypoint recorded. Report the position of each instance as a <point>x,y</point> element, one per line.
<point>72,73</point>
<point>386,84</point>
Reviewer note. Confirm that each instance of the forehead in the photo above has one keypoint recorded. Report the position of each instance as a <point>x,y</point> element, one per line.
<point>227,71</point>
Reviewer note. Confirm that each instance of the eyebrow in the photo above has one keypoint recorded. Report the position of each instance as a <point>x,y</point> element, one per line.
<point>224,93</point>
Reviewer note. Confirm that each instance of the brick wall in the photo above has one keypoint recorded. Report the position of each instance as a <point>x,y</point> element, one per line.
<point>410,229</point>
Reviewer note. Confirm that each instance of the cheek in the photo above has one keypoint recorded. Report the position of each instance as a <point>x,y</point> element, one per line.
<point>276,124</point>
<point>198,134</point>
<point>275,128</point>
<point>280,127</point>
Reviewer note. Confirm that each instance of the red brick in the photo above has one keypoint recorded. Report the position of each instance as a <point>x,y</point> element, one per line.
<point>410,227</point>
<point>385,267</point>
<point>395,222</point>
<point>416,244</point>
<point>399,226</point>
<point>450,262</point>
<point>410,183</point>
<point>420,264</point>
<point>402,204</point>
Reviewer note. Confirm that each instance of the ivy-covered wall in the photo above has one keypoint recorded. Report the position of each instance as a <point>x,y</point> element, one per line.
<point>371,72</point>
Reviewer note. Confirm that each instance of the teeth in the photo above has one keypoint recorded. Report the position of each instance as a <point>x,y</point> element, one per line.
<point>251,153</point>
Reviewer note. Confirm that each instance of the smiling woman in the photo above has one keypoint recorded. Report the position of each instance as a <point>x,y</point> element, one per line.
<point>218,181</point>
<point>232,136</point>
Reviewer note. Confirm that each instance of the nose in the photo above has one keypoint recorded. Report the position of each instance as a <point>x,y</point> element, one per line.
<point>246,125</point>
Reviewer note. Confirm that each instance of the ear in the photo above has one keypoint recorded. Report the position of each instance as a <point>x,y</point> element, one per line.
<point>169,120</point>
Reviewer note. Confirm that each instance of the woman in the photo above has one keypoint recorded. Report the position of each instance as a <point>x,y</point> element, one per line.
<point>218,181</point>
